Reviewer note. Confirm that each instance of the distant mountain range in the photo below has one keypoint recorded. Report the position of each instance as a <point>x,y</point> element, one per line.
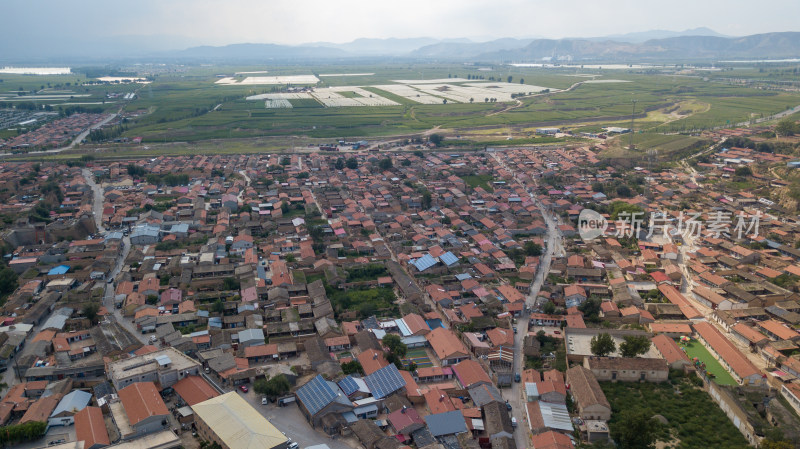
<point>770,45</point>
<point>658,45</point>
<point>644,36</point>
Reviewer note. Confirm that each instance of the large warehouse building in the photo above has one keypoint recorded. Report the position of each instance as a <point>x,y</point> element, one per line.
<point>231,422</point>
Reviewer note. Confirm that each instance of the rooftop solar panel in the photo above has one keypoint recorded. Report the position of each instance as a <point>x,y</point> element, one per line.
<point>385,381</point>
<point>316,394</point>
<point>348,385</point>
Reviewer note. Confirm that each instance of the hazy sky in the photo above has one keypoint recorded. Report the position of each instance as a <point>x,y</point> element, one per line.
<point>221,22</point>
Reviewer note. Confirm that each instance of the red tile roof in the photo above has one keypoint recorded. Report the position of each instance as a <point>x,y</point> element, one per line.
<point>194,389</point>
<point>91,428</point>
<point>141,401</point>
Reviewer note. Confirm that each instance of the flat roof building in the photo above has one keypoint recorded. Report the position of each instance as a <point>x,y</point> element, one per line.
<point>166,366</point>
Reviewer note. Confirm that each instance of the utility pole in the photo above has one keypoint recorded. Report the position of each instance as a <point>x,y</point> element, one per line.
<point>633,115</point>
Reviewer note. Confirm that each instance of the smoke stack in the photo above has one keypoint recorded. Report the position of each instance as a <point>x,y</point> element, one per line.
<point>374,356</point>
<point>404,409</point>
<point>441,398</point>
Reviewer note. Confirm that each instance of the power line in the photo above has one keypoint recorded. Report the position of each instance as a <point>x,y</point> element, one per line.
<point>633,115</point>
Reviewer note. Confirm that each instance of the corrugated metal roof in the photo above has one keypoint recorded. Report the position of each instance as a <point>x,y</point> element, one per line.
<point>403,327</point>
<point>555,416</point>
<point>424,262</point>
<point>448,258</point>
<point>75,401</point>
<point>238,424</point>
<point>61,269</point>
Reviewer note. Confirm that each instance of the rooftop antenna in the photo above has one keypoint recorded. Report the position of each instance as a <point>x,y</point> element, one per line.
<point>633,115</point>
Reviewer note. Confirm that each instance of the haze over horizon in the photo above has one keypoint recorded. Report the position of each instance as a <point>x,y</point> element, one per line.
<point>179,24</point>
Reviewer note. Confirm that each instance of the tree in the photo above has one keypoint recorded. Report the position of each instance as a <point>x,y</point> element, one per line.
<point>444,101</point>
<point>339,164</point>
<point>510,78</point>
<point>786,127</point>
<point>635,430</point>
<point>426,200</point>
<point>352,163</point>
<point>273,387</point>
<point>624,191</point>
<point>532,248</point>
<point>620,207</point>
<point>395,344</point>
<point>385,164</point>
<point>230,284</point>
<point>768,443</point>
<point>419,153</point>
<point>151,299</point>
<point>284,207</point>
<point>405,162</point>
<point>590,308</point>
<point>602,345</point>
<point>634,345</point>
<point>90,311</point>
<point>136,170</point>
<point>352,367</point>
<point>522,81</point>
<point>8,281</point>
<point>218,306</point>
<point>743,171</point>
<point>436,139</point>
<point>549,308</point>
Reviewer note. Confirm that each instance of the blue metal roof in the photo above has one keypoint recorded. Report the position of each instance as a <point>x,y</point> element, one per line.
<point>448,258</point>
<point>348,385</point>
<point>215,321</point>
<point>448,423</point>
<point>61,269</point>
<point>316,394</point>
<point>74,401</point>
<point>463,276</point>
<point>424,262</point>
<point>403,327</point>
<point>385,381</point>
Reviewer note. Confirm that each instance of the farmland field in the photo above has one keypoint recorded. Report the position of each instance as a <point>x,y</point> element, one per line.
<point>406,99</point>
<point>483,106</point>
<point>689,415</point>
<point>696,349</point>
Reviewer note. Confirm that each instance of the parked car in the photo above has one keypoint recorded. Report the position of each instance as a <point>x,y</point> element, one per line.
<point>264,401</point>
<point>517,377</point>
<point>243,388</point>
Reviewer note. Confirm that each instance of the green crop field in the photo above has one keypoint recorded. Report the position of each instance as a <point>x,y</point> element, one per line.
<point>182,106</point>
<point>696,349</point>
<point>186,106</point>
